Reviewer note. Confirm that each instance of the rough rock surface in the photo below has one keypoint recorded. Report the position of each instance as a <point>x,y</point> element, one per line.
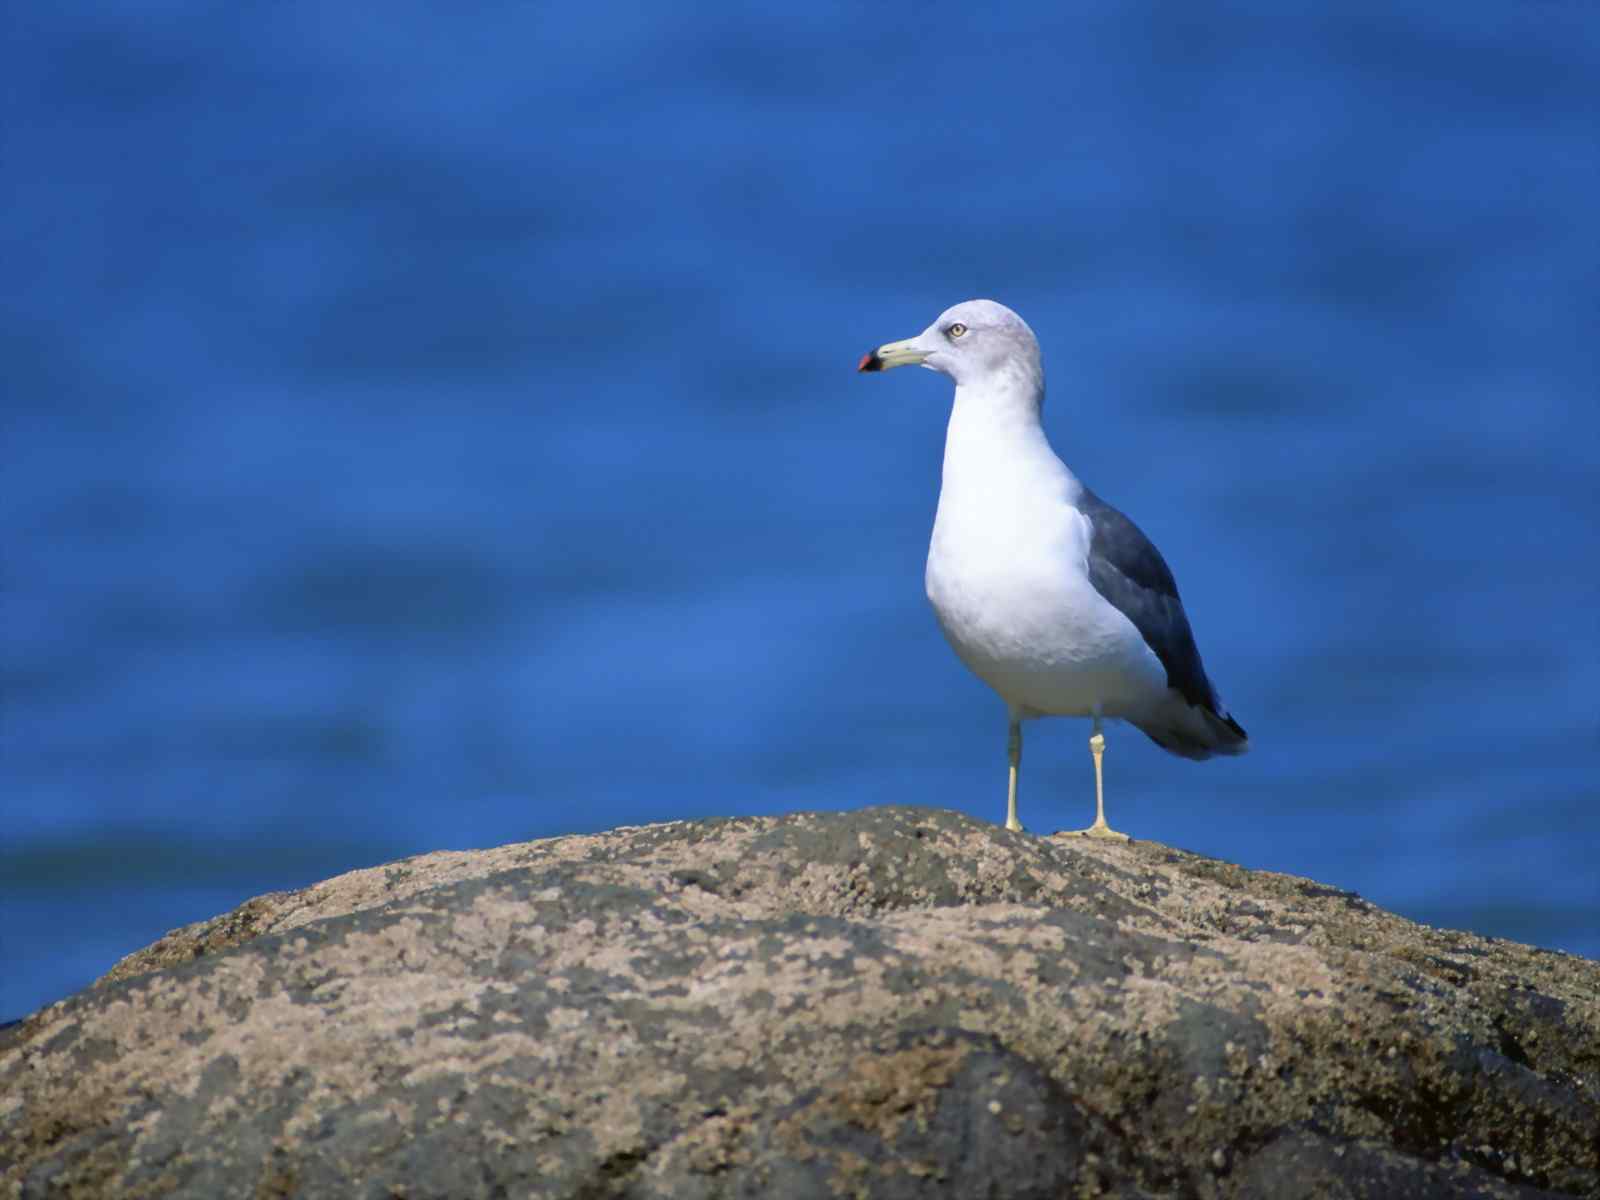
<point>896,1002</point>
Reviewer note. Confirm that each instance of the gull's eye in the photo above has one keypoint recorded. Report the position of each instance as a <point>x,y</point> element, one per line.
<point>956,330</point>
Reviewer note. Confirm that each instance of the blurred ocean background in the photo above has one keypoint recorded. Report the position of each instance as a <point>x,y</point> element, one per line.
<point>431,427</point>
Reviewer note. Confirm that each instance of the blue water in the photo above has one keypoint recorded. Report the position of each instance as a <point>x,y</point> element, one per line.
<point>431,427</point>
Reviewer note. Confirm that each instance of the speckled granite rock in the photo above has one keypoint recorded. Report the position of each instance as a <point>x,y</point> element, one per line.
<point>896,1002</point>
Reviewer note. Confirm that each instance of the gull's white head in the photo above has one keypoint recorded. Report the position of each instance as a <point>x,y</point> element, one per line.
<point>977,342</point>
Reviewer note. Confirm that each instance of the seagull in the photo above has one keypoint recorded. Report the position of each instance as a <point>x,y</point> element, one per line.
<point>1048,594</point>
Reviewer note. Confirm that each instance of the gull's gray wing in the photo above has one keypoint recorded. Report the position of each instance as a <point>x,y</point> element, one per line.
<point>1129,572</point>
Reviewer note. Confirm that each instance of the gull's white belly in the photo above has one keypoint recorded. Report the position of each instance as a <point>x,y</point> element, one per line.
<point>1025,619</point>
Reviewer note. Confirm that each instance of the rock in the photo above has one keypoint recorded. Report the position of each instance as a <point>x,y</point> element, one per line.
<point>895,1002</point>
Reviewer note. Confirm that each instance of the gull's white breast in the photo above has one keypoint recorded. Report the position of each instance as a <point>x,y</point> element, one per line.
<point>1008,579</point>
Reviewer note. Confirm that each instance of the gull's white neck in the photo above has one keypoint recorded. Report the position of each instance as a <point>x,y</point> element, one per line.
<point>995,446</point>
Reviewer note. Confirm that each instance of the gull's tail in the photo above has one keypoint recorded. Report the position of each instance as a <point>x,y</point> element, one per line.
<point>1192,730</point>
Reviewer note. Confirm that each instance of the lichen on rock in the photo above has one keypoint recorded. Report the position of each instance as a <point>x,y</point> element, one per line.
<point>890,1002</point>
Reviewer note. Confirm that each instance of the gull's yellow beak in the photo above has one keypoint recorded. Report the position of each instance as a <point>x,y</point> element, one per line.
<point>894,354</point>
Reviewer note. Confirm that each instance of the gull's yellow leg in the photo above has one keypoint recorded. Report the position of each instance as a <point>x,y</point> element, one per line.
<point>1097,747</point>
<point>1014,753</point>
